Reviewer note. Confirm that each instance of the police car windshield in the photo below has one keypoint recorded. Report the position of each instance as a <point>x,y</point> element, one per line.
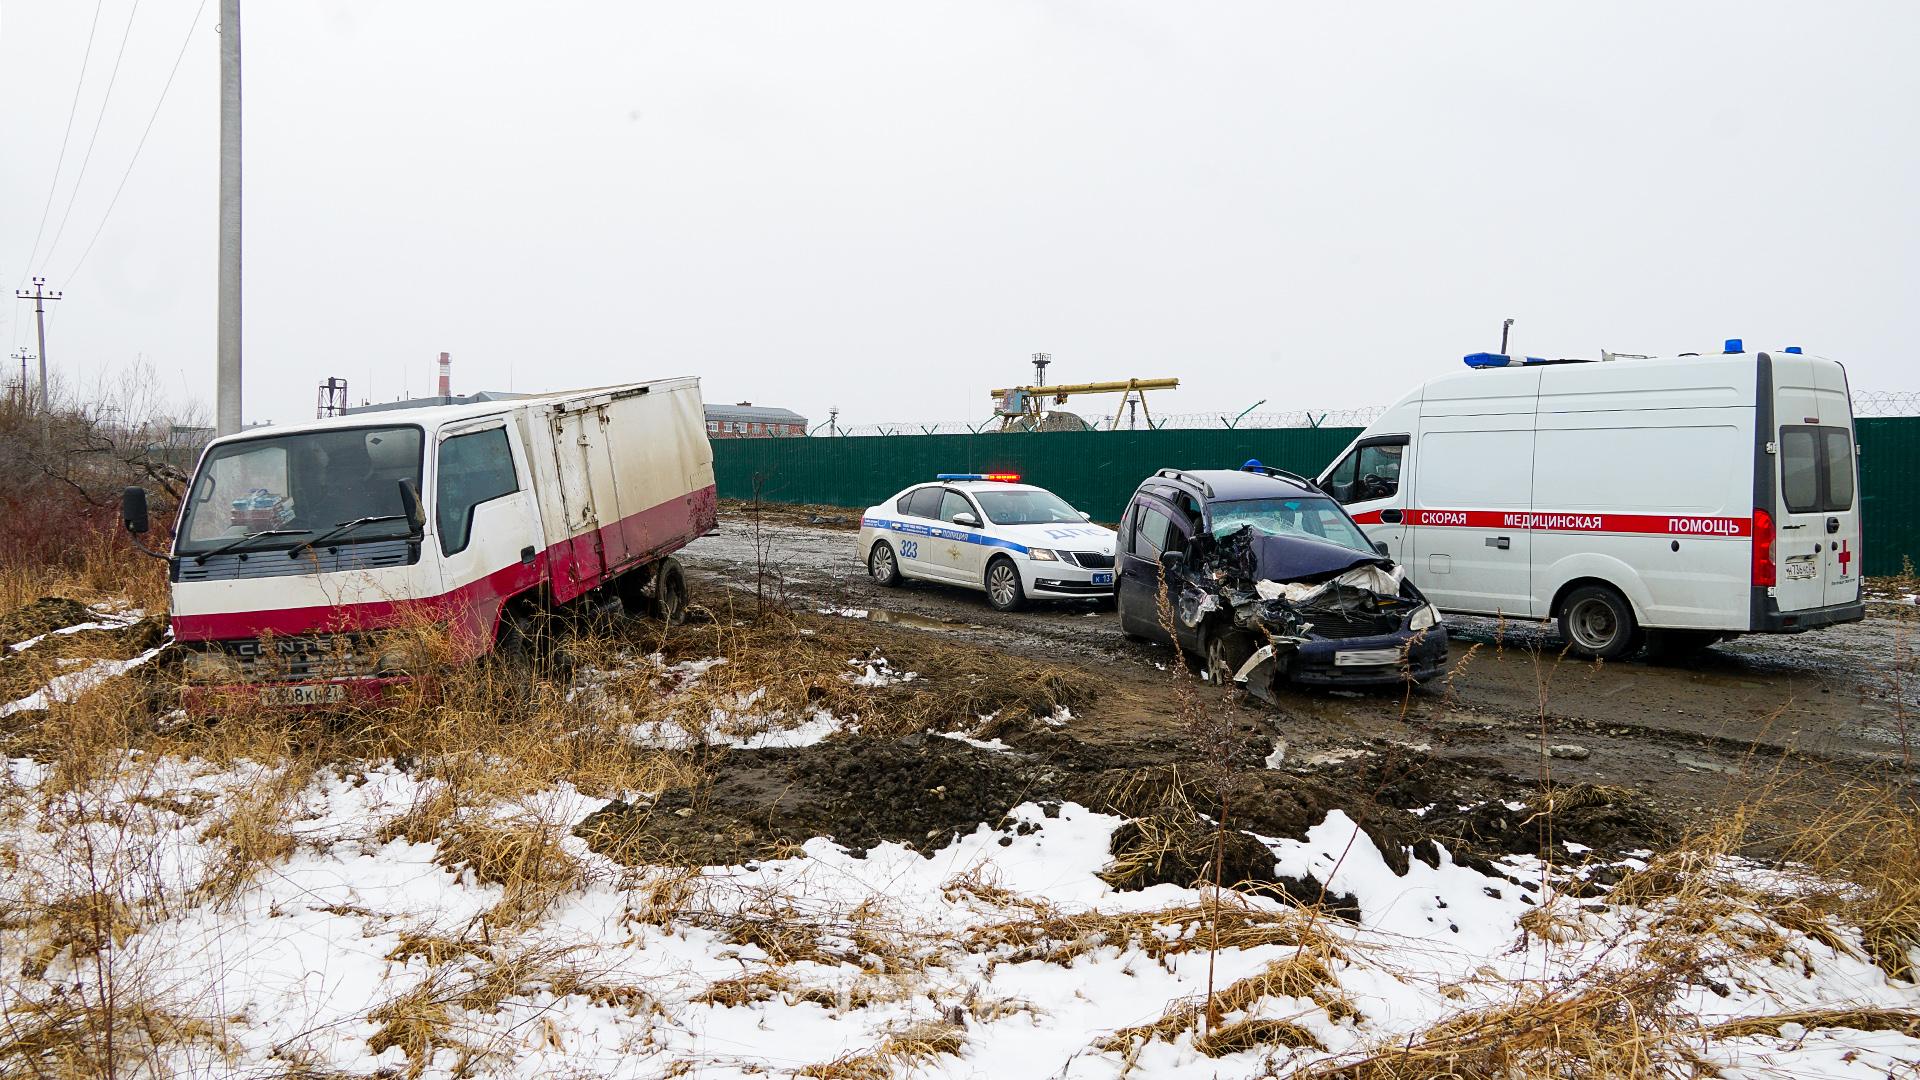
<point>1316,517</point>
<point>1025,507</point>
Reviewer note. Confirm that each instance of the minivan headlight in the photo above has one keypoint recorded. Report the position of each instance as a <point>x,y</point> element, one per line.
<point>1423,619</point>
<point>1043,555</point>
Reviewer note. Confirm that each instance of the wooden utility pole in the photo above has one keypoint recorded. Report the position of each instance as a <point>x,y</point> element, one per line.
<point>40,296</point>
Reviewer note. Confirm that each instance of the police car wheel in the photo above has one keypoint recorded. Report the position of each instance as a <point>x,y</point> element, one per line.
<point>1597,623</point>
<point>1003,585</point>
<point>883,566</point>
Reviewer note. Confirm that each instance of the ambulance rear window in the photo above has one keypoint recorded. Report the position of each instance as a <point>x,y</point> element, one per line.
<point>1839,454</point>
<point>1800,470</point>
<point>1816,469</point>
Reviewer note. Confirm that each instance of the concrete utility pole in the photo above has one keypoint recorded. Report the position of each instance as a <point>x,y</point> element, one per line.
<point>227,388</point>
<point>40,296</point>
<point>23,356</point>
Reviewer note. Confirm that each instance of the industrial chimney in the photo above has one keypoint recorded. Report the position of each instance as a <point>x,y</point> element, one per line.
<point>446,377</point>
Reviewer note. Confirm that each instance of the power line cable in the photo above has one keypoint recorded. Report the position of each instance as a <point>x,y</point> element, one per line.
<point>54,184</point>
<point>158,102</point>
<point>81,176</point>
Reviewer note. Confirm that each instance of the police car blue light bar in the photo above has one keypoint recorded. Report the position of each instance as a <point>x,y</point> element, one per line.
<point>1002,477</point>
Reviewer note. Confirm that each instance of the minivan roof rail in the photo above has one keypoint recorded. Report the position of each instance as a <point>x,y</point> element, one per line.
<point>1268,470</point>
<point>1182,474</point>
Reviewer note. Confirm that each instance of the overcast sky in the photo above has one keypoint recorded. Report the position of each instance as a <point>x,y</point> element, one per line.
<point>887,206</point>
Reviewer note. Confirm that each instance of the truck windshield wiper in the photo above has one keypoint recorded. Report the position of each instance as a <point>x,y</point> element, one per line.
<point>340,529</point>
<point>201,559</point>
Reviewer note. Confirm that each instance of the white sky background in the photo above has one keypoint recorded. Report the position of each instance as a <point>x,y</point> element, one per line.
<point>888,206</point>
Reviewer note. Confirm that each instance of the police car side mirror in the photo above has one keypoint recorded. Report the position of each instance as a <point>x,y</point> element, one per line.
<point>966,518</point>
<point>1084,516</point>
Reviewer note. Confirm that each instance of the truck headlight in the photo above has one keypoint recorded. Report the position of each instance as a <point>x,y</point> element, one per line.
<point>211,666</point>
<point>1043,555</point>
<point>1424,618</point>
<point>397,660</point>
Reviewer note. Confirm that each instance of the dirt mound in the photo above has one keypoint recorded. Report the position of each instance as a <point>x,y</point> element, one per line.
<point>920,791</point>
<point>1607,819</point>
<point>43,616</point>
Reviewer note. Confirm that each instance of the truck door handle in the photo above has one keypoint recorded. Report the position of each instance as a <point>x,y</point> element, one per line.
<point>527,555</point>
<point>1501,542</point>
<point>1391,517</point>
<point>1833,524</point>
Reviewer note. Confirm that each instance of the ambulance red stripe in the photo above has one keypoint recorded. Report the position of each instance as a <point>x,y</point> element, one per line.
<point>1537,521</point>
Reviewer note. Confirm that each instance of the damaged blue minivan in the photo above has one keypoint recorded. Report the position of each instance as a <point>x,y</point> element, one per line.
<point>1269,581</point>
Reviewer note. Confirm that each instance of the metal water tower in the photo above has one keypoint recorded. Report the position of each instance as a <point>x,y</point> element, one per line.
<point>332,399</point>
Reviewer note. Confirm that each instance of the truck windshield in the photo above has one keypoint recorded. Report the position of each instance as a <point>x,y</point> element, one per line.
<point>1316,517</point>
<point>1026,507</point>
<point>303,485</point>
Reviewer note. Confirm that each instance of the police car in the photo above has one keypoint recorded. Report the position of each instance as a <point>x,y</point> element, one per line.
<point>988,531</point>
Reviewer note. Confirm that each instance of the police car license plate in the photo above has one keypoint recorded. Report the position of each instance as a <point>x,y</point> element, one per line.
<point>1365,657</point>
<point>1103,579</point>
<point>321,694</point>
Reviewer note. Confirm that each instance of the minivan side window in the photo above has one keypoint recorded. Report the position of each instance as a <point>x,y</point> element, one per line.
<point>474,468</point>
<point>1816,469</point>
<point>1150,535</point>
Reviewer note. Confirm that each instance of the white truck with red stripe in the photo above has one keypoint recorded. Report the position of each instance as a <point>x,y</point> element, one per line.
<point>303,551</point>
<point>1667,501</point>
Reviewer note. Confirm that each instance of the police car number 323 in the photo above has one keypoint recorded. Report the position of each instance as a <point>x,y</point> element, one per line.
<point>987,531</point>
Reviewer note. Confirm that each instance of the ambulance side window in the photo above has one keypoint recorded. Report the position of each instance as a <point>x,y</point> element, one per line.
<point>1371,471</point>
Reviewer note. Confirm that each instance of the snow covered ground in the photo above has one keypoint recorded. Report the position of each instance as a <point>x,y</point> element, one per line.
<point>313,922</point>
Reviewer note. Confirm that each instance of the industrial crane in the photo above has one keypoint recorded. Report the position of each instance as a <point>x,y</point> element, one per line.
<point>1015,404</point>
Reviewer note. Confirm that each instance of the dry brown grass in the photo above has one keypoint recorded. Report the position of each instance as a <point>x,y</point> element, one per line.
<point>1304,975</point>
<point>900,1052</point>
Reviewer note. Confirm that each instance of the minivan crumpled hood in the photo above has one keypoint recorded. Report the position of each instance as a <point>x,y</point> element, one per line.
<point>1062,537</point>
<point>1294,558</point>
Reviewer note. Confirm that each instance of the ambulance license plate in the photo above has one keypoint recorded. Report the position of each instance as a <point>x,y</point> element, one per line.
<point>1365,657</point>
<point>1799,568</point>
<point>318,694</point>
<point>1103,579</point>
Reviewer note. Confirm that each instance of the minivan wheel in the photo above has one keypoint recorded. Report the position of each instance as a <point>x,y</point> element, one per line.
<point>1597,623</point>
<point>882,566</point>
<point>1003,585</point>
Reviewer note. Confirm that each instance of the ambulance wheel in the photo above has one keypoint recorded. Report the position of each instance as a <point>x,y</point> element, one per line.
<point>1003,585</point>
<point>669,600</point>
<point>1597,623</point>
<point>883,566</point>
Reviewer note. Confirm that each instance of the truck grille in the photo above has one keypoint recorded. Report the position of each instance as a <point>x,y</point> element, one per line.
<point>1091,560</point>
<point>326,656</point>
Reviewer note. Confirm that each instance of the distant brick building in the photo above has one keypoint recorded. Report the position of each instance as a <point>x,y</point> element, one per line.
<point>749,421</point>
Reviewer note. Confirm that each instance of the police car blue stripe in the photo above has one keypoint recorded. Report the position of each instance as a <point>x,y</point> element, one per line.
<point>909,528</point>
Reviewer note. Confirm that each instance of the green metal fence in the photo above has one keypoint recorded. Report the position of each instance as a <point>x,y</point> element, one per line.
<point>1097,470</point>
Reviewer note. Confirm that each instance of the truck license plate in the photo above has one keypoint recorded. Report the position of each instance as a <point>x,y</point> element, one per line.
<point>1365,657</point>
<point>317,694</point>
<point>1103,579</point>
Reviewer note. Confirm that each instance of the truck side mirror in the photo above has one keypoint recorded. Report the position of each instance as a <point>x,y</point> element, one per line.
<point>410,504</point>
<point>133,510</point>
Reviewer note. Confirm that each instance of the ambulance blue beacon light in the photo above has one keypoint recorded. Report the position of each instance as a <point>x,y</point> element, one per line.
<point>1735,345</point>
<point>1794,349</point>
<point>1487,360</point>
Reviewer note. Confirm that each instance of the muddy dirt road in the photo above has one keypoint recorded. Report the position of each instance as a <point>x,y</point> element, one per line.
<point>1835,698</point>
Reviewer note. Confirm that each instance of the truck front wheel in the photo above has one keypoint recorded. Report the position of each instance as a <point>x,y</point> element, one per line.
<point>1597,623</point>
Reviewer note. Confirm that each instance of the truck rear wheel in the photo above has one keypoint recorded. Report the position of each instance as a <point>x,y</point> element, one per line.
<point>669,600</point>
<point>1597,623</point>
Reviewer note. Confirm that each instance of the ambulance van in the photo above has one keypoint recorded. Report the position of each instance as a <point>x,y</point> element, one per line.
<point>1663,502</point>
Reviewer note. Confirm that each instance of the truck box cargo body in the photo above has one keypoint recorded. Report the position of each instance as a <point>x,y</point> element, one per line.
<point>1692,496</point>
<point>299,546</point>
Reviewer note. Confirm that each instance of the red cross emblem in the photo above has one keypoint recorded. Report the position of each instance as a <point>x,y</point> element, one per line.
<point>1845,558</point>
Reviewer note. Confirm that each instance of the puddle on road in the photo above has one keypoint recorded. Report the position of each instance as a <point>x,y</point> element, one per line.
<point>920,622</point>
